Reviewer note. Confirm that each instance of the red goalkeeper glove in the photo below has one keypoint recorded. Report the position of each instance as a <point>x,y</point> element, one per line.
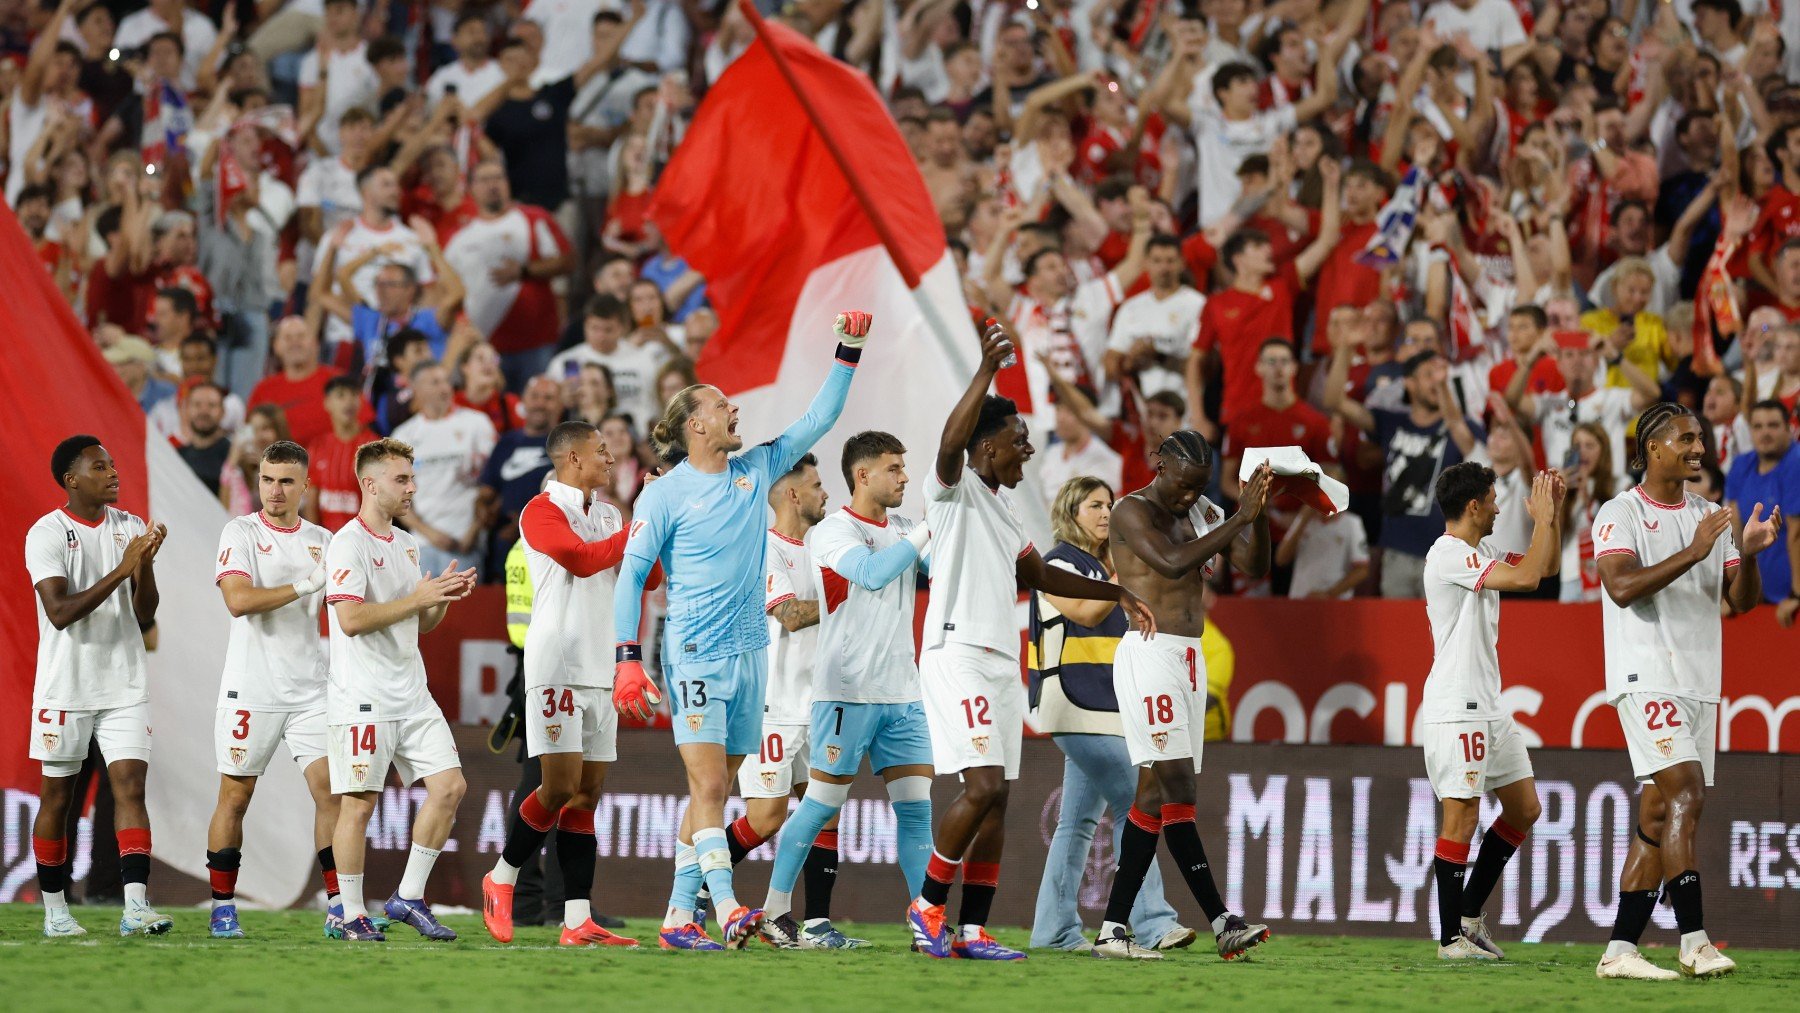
<point>634,695</point>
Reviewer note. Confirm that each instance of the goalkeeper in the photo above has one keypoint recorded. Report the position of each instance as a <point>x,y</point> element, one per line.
<point>704,522</point>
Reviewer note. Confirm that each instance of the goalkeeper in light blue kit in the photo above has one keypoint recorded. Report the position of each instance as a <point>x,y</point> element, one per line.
<point>704,521</point>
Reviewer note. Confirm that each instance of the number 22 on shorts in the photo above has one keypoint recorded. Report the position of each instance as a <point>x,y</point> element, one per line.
<point>1660,715</point>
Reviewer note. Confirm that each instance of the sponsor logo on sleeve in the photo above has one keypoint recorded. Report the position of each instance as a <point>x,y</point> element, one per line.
<point>1606,531</point>
<point>225,558</point>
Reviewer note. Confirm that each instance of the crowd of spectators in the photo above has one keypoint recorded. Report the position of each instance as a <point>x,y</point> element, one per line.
<point>1398,235</point>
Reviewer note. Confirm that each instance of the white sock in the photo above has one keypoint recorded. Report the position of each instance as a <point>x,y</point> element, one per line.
<point>778,904</point>
<point>1110,929</point>
<point>351,895</point>
<point>418,870</point>
<point>1218,924</point>
<point>136,893</point>
<point>1691,941</point>
<point>504,874</point>
<point>970,933</point>
<point>1618,948</point>
<point>676,917</point>
<point>576,913</point>
<point>55,900</point>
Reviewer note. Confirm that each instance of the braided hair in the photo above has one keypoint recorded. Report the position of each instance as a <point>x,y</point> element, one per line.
<point>1649,424</point>
<point>1186,445</point>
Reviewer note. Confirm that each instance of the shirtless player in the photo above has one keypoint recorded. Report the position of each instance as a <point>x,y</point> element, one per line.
<point>1166,539</point>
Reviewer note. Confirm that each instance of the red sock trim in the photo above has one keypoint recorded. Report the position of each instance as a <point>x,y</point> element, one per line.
<point>331,886</point>
<point>1452,851</point>
<point>1144,821</point>
<point>575,821</point>
<point>534,814</point>
<point>1507,832</point>
<point>50,851</point>
<point>1175,812</point>
<point>941,869</point>
<point>134,841</point>
<point>224,881</point>
<point>827,839</point>
<point>981,874</point>
<point>746,835</point>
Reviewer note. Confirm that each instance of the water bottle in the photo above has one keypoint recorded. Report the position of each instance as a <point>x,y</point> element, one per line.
<point>1012,358</point>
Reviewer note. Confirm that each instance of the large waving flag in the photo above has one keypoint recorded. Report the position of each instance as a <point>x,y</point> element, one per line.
<point>794,194</point>
<point>53,384</point>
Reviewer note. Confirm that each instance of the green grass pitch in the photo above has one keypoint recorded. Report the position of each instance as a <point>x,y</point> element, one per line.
<point>286,964</point>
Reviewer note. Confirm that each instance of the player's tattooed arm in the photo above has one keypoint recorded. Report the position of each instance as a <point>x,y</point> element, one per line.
<point>795,615</point>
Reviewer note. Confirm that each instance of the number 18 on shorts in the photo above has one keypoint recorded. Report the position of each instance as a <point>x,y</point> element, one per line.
<point>1161,686</point>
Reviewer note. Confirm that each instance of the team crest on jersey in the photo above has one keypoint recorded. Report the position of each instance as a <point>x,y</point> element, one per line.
<point>313,550</point>
<point>237,756</point>
<point>768,778</point>
<point>980,742</point>
<point>119,539</point>
<point>1666,746</point>
<point>1606,531</point>
<point>694,721</point>
<point>553,732</point>
<point>1471,777</point>
<point>1212,515</point>
<point>49,739</point>
<point>832,753</point>
<point>360,771</point>
<point>742,482</point>
<point>413,555</point>
<point>1160,740</point>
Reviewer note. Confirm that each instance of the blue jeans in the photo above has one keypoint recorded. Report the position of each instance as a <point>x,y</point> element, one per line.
<point>1097,775</point>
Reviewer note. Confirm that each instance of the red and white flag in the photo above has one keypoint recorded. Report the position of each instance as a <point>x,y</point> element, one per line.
<point>55,386</point>
<point>796,197</point>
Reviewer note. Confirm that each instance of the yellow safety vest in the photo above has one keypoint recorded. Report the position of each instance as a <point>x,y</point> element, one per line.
<point>518,594</point>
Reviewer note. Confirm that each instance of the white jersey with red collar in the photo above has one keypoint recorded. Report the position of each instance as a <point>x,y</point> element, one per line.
<point>573,547</point>
<point>865,637</point>
<point>1670,642</point>
<point>788,576</point>
<point>1464,682</point>
<point>97,662</point>
<point>378,675</point>
<point>274,660</point>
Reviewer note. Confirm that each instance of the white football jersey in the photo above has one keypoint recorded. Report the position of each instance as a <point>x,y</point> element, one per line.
<point>97,663</point>
<point>977,542</point>
<point>378,675</point>
<point>1205,515</point>
<point>1671,641</point>
<point>787,569</point>
<point>1464,684</point>
<point>570,637</point>
<point>865,637</point>
<point>274,660</point>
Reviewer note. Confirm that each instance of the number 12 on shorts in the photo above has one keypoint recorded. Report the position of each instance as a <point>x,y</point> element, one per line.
<point>975,711</point>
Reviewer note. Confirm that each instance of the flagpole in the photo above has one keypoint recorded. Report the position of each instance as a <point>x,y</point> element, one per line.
<point>956,353</point>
